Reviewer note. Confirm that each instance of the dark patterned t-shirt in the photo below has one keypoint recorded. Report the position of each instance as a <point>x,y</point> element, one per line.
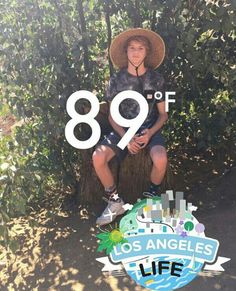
<point>147,84</point>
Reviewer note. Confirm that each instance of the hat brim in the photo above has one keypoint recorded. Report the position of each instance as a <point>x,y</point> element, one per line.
<point>154,58</point>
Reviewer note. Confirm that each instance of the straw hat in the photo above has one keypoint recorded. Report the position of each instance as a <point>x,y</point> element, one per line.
<point>118,54</point>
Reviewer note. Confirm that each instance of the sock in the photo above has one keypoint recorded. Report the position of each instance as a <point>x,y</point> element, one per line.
<point>111,193</point>
<point>154,188</point>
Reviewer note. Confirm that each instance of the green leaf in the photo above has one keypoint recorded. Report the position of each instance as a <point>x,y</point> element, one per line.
<point>102,235</point>
<point>38,177</point>
<point>3,178</point>
<point>13,168</point>
<point>5,216</point>
<point>109,248</point>
<point>13,245</point>
<point>3,230</point>
<point>4,166</point>
<point>101,247</point>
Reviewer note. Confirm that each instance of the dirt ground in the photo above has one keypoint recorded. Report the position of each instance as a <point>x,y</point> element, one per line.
<point>59,252</point>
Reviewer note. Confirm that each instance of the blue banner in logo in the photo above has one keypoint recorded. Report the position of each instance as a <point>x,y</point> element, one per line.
<point>204,249</point>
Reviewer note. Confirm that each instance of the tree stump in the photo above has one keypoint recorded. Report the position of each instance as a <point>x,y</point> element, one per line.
<point>131,176</point>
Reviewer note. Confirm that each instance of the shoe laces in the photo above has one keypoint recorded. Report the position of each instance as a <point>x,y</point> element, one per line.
<point>105,199</point>
<point>150,194</point>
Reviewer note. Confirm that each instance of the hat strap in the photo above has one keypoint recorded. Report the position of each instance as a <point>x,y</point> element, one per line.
<point>139,78</point>
<point>136,67</point>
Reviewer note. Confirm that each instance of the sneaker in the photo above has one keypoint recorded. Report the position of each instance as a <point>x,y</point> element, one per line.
<point>148,194</point>
<point>113,209</point>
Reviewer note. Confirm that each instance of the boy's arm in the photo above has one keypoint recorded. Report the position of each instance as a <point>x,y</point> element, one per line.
<point>148,133</point>
<point>163,116</point>
<point>132,146</point>
<point>111,91</point>
<point>120,130</point>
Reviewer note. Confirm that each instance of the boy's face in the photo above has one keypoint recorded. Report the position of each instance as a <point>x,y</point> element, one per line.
<point>136,52</point>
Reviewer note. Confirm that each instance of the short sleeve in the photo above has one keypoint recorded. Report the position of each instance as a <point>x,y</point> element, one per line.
<point>111,90</point>
<point>160,87</point>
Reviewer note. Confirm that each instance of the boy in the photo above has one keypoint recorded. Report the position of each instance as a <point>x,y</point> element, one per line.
<point>136,52</point>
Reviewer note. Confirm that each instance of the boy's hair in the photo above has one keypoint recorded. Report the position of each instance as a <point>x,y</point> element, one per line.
<point>141,39</point>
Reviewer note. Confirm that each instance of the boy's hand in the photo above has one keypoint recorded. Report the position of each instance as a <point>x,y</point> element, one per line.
<point>143,140</point>
<point>133,147</point>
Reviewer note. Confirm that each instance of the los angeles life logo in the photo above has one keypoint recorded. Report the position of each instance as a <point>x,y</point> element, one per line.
<point>159,244</point>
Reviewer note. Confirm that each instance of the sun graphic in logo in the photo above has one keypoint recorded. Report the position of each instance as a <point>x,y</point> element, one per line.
<point>109,239</point>
<point>116,236</point>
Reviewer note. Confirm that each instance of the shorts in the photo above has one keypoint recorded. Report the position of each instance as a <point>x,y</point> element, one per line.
<point>112,139</point>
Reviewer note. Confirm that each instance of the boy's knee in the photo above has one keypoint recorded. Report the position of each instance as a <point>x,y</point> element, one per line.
<point>159,157</point>
<point>99,157</point>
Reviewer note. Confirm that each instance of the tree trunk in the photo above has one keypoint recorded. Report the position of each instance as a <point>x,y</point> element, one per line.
<point>134,176</point>
<point>84,35</point>
<point>131,176</point>
<point>137,15</point>
<point>154,20</point>
<point>108,24</point>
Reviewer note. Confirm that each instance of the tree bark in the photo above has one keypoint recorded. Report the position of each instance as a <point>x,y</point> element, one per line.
<point>84,35</point>
<point>108,24</point>
<point>137,15</point>
<point>153,20</point>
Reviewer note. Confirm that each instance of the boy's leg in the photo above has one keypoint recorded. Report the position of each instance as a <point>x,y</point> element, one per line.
<point>101,157</point>
<point>159,158</point>
<point>158,155</point>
